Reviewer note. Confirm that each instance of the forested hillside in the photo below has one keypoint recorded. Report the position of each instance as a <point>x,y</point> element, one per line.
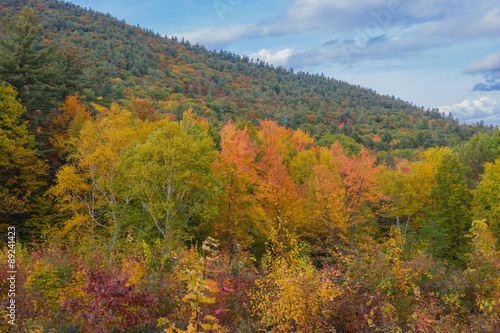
<point>121,62</point>
<point>154,185</point>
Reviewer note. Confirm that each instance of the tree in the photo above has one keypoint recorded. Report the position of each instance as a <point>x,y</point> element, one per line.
<point>277,193</point>
<point>170,174</point>
<point>348,144</point>
<point>398,188</point>
<point>44,75</point>
<point>475,153</point>
<point>25,64</point>
<point>487,196</point>
<point>21,171</point>
<point>357,179</point>
<point>421,181</point>
<point>302,166</point>
<point>90,189</point>
<point>324,202</point>
<point>67,124</point>
<point>236,163</point>
<point>452,203</point>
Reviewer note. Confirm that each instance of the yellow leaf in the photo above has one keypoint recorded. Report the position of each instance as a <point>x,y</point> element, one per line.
<point>211,318</point>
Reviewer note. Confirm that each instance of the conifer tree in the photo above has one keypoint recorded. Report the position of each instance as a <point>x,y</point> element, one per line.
<point>43,75</point>
<point>24,63</point>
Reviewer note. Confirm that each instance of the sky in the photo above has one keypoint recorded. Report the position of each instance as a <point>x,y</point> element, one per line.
<point>433,53</point>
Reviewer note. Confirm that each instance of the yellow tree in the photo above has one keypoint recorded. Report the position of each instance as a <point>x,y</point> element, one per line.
<point>324,202</point>
<point>409,187</point>
<point>21,171</point>
<point>398,191</point>
<point>301,140</point>
<point>419,183</point>
<point>90,188</point>
<point>301,166</point>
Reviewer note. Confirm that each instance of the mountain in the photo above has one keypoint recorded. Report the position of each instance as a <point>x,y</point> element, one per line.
<point>120,63</point>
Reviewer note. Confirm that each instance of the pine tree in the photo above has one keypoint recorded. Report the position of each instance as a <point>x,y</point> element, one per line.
<point>25,64</point>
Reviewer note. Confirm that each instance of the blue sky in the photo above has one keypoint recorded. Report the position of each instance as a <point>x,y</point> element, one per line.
<point>433,53</point>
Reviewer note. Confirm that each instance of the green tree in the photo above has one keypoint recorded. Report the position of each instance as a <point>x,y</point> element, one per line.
<point>475,153</point>
<point>347,143</point>
<point>451,205</point>
<point>42,72</point>
<point>170,173</point>
<point>487,197</point>
<point>25,63</point>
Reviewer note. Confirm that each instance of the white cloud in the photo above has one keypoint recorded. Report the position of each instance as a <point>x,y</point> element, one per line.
<point>278,58</point>
<point>489,24</point>
<point>472,110</point>
<point>489,65</point>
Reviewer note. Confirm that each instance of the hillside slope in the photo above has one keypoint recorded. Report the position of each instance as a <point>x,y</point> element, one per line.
<point>122,62</point>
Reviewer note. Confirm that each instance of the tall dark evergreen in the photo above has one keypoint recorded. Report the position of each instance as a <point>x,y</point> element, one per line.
<point>30,67</point>
<point>41,71</point>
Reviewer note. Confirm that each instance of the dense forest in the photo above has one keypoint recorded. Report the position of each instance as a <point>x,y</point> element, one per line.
<point>157,186</point>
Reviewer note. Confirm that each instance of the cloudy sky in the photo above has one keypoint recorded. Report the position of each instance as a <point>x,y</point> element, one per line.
<point>433,53</point>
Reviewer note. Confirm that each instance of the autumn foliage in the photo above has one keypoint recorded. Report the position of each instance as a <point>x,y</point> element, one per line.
<point>156,186</point>
<point>168,224</point>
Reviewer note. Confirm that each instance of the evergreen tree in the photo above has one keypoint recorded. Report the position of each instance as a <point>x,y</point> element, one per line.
<point>25,64</point>
<point>42,75</point>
